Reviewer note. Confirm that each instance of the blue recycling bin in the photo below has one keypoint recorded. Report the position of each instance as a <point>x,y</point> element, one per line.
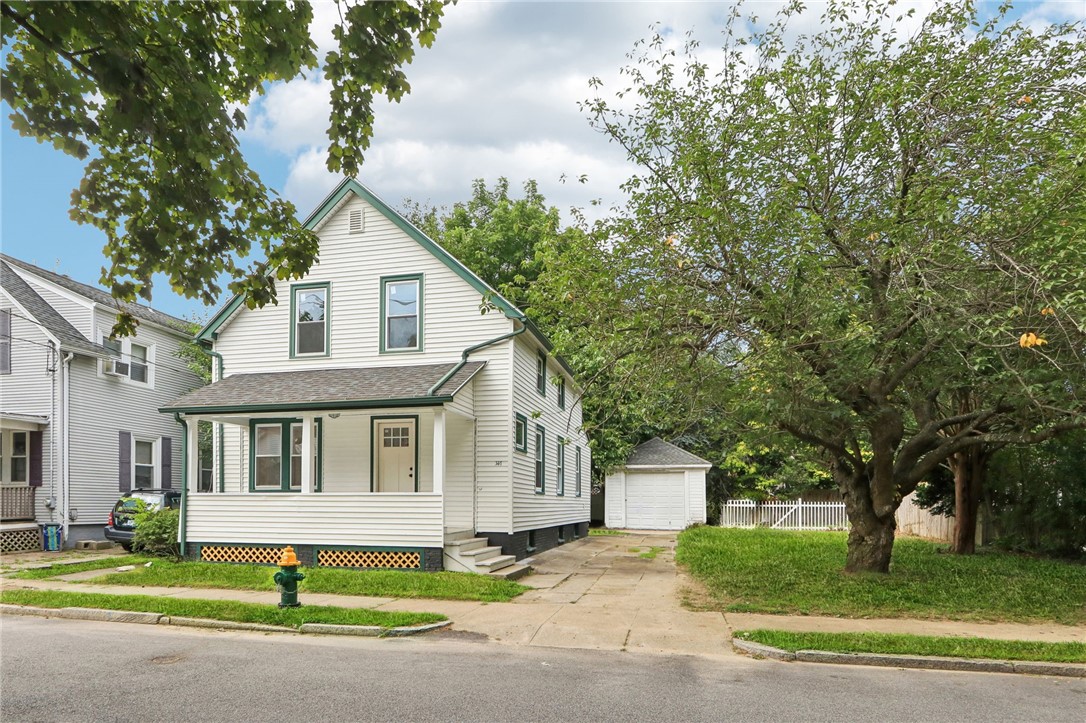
<point>51,538</point>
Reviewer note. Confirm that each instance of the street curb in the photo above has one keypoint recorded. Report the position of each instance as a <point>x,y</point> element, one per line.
<point>922,662</point>
<point>370,631</point>
<point>121,616</point>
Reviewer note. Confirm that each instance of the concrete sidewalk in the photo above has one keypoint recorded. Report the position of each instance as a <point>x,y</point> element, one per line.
<point>600,593</point>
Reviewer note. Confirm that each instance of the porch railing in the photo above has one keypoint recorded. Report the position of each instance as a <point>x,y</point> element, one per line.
<point>17,503</point>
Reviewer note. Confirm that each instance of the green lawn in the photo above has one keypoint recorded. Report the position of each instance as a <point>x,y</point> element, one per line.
<point>98,564</point>
<point>771,571</point>
<point>370,583</point>
<point>920,645</point>
<point>241,612</point>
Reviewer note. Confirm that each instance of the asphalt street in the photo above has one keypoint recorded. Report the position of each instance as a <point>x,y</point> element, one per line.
<point>62,670</point>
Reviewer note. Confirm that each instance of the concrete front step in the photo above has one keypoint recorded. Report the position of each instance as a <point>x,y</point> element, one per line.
<point>511,572</point>
<point>480,554</point>
<point>452,535</point>
<point>495,563</point>
<point>463,546</point>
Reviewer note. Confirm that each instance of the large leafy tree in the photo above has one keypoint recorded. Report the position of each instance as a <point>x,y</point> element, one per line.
<point>151,93</point>
<point>859,227</point>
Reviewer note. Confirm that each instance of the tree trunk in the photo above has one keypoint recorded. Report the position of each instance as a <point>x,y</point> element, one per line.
<point>871,537</point>
<point>970,467</point>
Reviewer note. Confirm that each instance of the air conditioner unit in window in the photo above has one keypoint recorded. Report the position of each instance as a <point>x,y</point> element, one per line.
<point>116,368</point>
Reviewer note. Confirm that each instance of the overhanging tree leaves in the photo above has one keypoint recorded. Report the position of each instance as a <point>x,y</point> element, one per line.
<point>863,225</point>
<point>152,93</point>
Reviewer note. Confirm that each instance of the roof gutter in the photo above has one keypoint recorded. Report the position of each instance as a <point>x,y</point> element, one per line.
<point>467,352</point>
<point>184,482</point>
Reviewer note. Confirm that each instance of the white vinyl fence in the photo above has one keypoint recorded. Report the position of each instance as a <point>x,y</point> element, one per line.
<point>790,515</point>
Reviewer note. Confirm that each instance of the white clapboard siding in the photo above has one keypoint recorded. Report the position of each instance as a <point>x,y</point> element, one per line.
<point>393,520</point>
<point>532,510</point>
<point>77,310</point>
<point>459,472</point>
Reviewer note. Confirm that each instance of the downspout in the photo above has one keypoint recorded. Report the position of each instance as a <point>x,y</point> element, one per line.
<point>466,353</point>
<point>184,481</point>
<point>222,438</point>
<point>66,388</point>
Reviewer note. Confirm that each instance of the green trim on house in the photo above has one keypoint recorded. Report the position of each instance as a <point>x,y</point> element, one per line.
<point>519,419</point>
<point>211,329</point>
<point>309,406</point>
<point>373,446</point>
<point>419,304</point>
<point>294,289</point>
<point>181,523</point>
<point>285,424</point>
<point>541,373</point>
<point>540,469</point>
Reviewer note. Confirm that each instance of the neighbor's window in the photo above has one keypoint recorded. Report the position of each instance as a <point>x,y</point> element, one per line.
<point>561,392</point>
<point>541,373</point>
<point>19,448</point>
<point>561,469</point>
<point>137,369</point>
<point>310,304</point>
<point>520,432</point>
<point>540,459</point>
<point>268,454</point>
<point>401,330</point>
<point>143,465</point>
<point>577,474</point>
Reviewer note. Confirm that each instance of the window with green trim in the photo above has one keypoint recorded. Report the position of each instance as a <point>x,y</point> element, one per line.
<point>401,313</point>
<point>541,373</point>
<point>309,319</point>
<point>275,458</point>
<point>540,459</point>
<point>520,432</point>
<point>560,470</point>
<point>577,474</point>
<point>561,392</point>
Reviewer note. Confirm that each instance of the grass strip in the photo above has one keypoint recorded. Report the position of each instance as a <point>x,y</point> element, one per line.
<point>102,563</point>
<point>789,573</point>
<point>241,612</point>
<point>651,553</point>
<point>369,583</point>
<point>604,532</point>
<point>900,644</point>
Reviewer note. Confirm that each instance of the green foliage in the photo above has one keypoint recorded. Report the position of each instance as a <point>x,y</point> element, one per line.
<point>152,93</point>
<point>241,612</point>
<point>156,532</point>
<point>194,354</point>
<point>898,644</point>
<point>799,573</point>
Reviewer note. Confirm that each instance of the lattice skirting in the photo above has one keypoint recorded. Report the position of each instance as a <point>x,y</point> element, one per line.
<point>231,553</point>
<point>394,559</point>
<point>20,540</point>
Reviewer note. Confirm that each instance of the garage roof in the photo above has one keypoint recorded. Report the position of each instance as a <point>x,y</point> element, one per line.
<point>658,453</point>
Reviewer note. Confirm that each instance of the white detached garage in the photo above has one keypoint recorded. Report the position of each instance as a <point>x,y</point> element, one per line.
<point>661,487</point>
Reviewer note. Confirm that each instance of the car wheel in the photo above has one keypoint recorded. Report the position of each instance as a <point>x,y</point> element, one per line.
<point>127,546</point>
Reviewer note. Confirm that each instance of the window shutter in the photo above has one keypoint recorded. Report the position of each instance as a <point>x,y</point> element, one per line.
<point>166,445</point>
<point>35,475</point>
<point>124,461</point>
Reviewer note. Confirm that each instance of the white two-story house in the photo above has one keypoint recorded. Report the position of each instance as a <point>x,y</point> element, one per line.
<point>376,417</point>
<point>79,419</point>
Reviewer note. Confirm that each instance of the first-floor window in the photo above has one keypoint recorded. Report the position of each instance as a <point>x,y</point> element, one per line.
<point>577,474</point>
<point>19,454</point>
<point>277,455</point>
<point>540,459</point>
<point>520,432</point>
<point>143,464</point>
<point>207,456</point>
<point>561,470</point>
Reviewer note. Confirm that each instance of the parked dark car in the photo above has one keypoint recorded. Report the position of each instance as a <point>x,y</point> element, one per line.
<point>122,523</point>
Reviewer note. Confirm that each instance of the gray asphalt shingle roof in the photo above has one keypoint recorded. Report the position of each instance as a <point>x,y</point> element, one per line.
<point>657,452</point>
<point>98,296</point>
<point>24,295</point>
<point>337,388</point>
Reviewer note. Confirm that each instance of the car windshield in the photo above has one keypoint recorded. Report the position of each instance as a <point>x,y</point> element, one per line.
<point>134,502</point>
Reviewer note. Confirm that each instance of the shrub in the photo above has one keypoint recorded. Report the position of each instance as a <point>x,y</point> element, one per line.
<point>156,533</point>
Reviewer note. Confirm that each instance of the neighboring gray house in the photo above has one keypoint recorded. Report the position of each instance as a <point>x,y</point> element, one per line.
<point>79,419</point>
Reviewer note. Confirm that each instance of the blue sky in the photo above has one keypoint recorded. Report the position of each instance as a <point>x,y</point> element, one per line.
<point>497,95</point>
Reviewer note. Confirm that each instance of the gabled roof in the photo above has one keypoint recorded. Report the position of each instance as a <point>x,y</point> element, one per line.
<point>356,388</point>
<point>331,204</point>
<point>44,314</point>
<point>658,453</point>
<point>98,296</point>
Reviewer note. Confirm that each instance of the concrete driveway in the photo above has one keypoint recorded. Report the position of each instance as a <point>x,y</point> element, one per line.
<point>602,593</point>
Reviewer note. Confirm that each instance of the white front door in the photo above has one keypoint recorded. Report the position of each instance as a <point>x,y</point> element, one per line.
<point>395,458</point>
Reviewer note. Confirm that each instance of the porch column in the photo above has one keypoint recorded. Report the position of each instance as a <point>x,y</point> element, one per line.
<point>439,450</point>
<point>192,454</point>
<point>307,453</point>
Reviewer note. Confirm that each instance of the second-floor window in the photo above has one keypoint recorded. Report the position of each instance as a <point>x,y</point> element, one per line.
<point>401,306</point>
<point>309,331</point>
<point>135,360</point>
<point>137,370</point>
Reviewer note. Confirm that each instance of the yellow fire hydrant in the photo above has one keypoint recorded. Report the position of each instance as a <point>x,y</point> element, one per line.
<point>287,579</point>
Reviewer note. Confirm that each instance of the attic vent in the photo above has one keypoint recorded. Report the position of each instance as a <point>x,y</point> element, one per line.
<point>355,224</point>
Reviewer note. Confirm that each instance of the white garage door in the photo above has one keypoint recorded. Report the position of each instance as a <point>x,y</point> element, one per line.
<point>655,500</point>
